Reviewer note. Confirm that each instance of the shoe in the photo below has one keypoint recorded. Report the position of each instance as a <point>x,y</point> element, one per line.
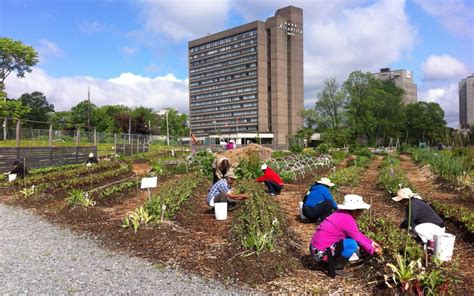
<point>341,272</point>
<point>272,193</point>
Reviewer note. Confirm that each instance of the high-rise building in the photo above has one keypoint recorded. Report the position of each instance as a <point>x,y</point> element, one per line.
<point>466,102</point>
<point>247,82</point>
<point>402,79</point>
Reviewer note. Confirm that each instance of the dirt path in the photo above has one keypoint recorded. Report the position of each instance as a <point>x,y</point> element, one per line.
<point>424,183</point>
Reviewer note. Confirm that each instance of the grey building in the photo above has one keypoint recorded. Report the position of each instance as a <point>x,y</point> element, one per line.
<point>466,102</point>
<point>402,79</point>
<point>247,81</point>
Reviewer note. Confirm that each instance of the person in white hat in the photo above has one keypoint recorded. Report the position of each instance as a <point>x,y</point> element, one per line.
<point>221,191</point>
<point>318,203</point>
<point>338,236</point>
<point>425,222</point>
<point>271,179</point>
<point>91,160</point>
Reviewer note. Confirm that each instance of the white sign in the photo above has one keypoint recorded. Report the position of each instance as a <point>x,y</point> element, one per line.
<point>11,177</point>
<point>149,182</point>
<point>290,28</point>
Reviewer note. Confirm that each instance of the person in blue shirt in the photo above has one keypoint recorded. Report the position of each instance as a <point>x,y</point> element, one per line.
<point>318,202</point>
<point>221,191</point>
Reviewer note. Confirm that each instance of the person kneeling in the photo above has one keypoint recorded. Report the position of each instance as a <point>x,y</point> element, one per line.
<point>425,222</point>
<point>221,191</point>
<point>271,179</point>
<point>338,237</point>
<point>318,202</point>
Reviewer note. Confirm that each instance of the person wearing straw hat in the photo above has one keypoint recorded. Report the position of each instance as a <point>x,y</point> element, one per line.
<point>318,202</point>
<point>338,236</point>
<point>91,160</point>
<point>220,167</point>
<point>425,222</point>
<point>19,169</point>
<point>271,179</point>
<point>221,191</point>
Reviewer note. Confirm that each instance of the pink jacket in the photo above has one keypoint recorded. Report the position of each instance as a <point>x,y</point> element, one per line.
<point>338,226</point>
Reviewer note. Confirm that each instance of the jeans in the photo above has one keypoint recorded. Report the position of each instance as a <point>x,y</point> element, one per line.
<point>273,187</point>
<point>319,211</point>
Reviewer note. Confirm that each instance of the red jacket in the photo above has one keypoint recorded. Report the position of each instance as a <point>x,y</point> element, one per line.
<point>270,175</point>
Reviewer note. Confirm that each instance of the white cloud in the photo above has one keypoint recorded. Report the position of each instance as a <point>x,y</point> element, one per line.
<point>456,15</point>
<point>440,67</point>
<point>48,50</point>
<point>448,98</point>
<point>91,27</point>
<point>180,20</point>
<point>127,89</point>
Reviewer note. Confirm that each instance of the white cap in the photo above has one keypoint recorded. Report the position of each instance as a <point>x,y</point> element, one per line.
<point>353,202</point>
<point>263,167</point>
<point>91,154</point>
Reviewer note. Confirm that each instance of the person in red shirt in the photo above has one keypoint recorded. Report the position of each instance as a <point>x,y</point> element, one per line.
<point>271,179</point>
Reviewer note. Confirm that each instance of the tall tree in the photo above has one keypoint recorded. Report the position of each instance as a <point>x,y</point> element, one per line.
<point>177,124</point>
<point>13,109</point>
<point>40,108</point>
<point>331,104</point>
<point>15,56</point>
<point>424,122</point>
<point>82,114</point>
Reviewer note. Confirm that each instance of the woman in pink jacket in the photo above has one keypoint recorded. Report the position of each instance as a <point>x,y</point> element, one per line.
<point>340,235</point>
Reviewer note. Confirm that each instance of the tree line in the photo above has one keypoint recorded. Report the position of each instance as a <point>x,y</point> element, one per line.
<point>367,111</point>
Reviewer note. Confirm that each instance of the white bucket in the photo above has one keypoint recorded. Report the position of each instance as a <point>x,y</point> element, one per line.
<point>444,246</point>
<point>11,177</point>
<point>302,217</point>
<point>220,210</point>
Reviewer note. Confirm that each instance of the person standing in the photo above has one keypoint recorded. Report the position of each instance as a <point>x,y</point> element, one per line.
<point>271,179</point>
<point>220,167</point>
<point>338,236</point>
<point>318,202</point>
<point>425,222</point>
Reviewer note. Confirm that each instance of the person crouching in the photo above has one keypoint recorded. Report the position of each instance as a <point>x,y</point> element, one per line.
<point>221,191</point>
<point>338,236</point>
<point>271,179</point>
<point>318,202</point>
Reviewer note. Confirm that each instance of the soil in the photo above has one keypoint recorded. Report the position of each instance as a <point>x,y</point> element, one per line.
<point>193,241</point>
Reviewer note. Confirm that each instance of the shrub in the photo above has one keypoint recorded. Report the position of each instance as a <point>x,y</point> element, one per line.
<point>296,145</point>
<point>391,177</point>
<point>258,222</point>
<point>323,148</point>
<point>310,151</point>
<point>280,153</point>
<point>347,176</point>
<point>79,198</point>
<point>363,151</point>
<point>338,156</point>
<point>203,159</point>
<point>249,168</point>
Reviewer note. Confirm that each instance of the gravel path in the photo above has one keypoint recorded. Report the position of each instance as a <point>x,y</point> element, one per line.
<point>37,257</point>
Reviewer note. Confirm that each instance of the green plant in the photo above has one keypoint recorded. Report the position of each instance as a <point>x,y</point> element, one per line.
<point>28,192</point>
<point>338,156</point>
<point>139,216</point>
<point>258,222</point>
<point>310,151</point>
<point>391,176</point>
<point>249,168</point>
<point>287,177</point>
<point>347,176</point>
<point>203,159</point>
<point>458,214</point>
<point>323,148</point>
<point>296,145</point>
<point>79,198</point>
<point>405,272</point>
<point>363,151</point>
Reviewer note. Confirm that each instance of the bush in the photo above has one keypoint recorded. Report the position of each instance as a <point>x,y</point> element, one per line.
<point>310,151</point>
<point>204,159</point>
<point>363,151</point>
<point>323,148</point>
<point>338,156</point>
<point>347,176</point>
<point>258,222</point>
<point>391,177</point>
<point>249,168</point>
<point>296,145</point>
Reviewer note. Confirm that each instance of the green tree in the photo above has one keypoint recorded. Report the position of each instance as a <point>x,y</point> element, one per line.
<point>424,122</point>
<point>310,117</point>
<point>61,120</point>
<point>331,104</point>
<point>40,108</point>
<point>13,109</point>
<point>82,114</point>
<point>177,124</point>
<point>16,56</point>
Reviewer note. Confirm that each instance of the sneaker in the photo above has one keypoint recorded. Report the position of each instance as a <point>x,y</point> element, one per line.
<point>272,194</point>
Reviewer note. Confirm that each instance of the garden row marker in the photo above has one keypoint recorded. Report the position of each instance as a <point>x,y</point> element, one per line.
<point>148,183</point>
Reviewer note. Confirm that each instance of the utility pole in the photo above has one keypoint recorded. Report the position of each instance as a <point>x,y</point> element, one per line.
<point>88,107</point>
<point>167,130</point>
<point>130,126</point>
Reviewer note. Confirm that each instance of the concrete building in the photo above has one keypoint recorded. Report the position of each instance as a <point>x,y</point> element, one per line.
<point>466,102</point>
<point>402,79</point>
<point>247,82</point>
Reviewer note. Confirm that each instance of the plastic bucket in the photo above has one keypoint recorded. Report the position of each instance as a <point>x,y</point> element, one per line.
<point>11,177</point>
<point>220,210</point>
<point>302,217</point>
<point>444,246</point>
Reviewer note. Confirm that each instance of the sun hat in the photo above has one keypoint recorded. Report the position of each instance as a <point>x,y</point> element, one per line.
<point>404,193</point>
<point>353,202</point>
<point>231,175</point>
<point>325,181</point>
<point>91,154</point>
<point>263,167</point>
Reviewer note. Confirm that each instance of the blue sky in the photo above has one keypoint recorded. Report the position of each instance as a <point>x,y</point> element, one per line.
<point>135,52</point>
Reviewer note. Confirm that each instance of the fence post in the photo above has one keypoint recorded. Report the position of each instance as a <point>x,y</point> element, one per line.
<point>138,144</point>
<point>124,145</point>
<point>95,138</point>
<point>78,133</point>
<point>51,144</point>
<point>18,133</point>
<point>115,144</point>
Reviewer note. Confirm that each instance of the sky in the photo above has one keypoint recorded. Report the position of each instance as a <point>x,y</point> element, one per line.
<point>135,52</point>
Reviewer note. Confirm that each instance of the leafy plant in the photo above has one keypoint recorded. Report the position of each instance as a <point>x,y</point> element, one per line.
<point>347,176</point>
<point>203,159</point>
<point>28,192</point>
<point>459,214</point>
<point>79,198</point>
<point>249,167</point>
<point>258,222</point>
<point>323,148</point>
<point>139,216</point>
<point>391,176</point>
<point>405,272</point>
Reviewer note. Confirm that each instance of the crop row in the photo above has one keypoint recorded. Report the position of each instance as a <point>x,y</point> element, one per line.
<point>349,176</point>
<point>391,176</point>
<point>121,187</point>
<point>458,214</point>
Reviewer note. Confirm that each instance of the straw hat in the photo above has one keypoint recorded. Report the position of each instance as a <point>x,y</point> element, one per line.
<point>91,154</point>
<point>404,193</point>
<point>353,202</point>
<point>263,167</point>
<point>325,181</point>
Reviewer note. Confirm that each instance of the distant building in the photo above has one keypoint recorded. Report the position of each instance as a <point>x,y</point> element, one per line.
<point>466,102</point>
<point>163,111</point>
<point>402,79</point>
<point>247,82</point>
